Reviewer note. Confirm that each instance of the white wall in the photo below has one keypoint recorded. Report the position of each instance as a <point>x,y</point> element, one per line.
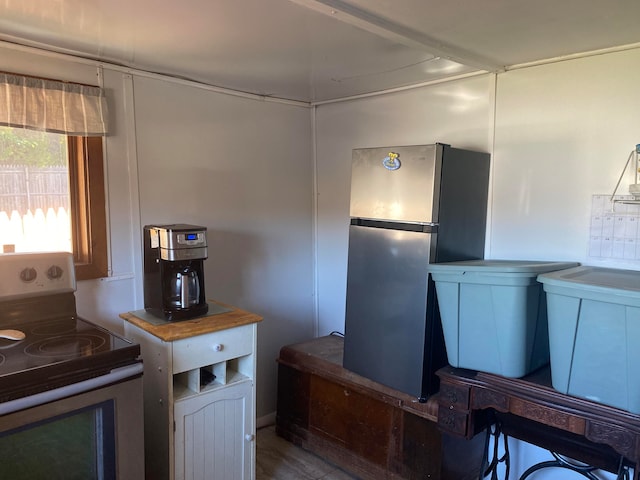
<point>243,169</point>
<point>562,133</point>
<point>457,113</point>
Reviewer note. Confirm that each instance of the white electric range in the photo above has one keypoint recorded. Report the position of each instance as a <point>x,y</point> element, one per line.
<point>70,390</point>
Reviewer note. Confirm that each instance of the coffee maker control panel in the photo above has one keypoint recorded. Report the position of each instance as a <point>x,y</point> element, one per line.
<point>179,242</point>
<point>191,239</point>
<point>179,236</point>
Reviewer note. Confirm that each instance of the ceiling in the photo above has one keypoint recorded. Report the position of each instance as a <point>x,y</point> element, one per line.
<point>319,50</point>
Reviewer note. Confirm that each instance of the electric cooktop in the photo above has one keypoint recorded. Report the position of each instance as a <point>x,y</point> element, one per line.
<point>58,352</point>
<point>52,346</point>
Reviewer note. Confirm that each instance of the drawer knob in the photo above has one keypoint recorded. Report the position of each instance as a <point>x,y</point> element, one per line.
<point>218,347</point>
<point>248,437</point>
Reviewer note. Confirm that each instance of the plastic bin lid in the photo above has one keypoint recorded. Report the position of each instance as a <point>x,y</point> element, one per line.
<point>595,279</point>
<point>500,266</point>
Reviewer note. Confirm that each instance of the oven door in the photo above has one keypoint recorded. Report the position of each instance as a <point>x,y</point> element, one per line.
<point>96,433</point>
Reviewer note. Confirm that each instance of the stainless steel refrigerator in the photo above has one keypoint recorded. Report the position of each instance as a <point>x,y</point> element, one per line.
<point>410,206</point>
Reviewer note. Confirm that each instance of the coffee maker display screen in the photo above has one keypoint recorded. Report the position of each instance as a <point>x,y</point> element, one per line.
<point>191,236</point>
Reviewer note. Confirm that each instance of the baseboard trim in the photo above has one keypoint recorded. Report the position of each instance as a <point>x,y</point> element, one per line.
<point>266,420</point>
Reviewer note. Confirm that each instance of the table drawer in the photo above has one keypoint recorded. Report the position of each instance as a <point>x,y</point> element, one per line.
<point>453,396</point>
<point>453,421</point>
<point>195,352</point>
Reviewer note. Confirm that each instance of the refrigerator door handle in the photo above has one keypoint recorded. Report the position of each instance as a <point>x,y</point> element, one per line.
<point>426,227</point>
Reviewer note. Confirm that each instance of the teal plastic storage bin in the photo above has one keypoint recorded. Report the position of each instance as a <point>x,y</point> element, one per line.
<point>594,334</point>
<point>494,314</point>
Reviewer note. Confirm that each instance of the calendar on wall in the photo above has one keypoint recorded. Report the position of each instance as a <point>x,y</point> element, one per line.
<point>614,231</point>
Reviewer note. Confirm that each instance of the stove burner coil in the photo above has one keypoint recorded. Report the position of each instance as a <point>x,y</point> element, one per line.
<point>65,346</point>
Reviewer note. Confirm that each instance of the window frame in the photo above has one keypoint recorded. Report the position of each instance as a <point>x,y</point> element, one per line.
<point>88,206</point>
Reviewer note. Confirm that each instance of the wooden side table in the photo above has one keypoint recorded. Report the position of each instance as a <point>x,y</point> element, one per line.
<point>531,410</point>
<point>199,393</point>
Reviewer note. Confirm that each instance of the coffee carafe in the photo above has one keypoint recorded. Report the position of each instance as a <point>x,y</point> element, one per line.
<point>173,271</point>
<point>183,287</point>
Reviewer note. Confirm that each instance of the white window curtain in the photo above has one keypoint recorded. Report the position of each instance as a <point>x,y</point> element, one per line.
<point>52,106</point>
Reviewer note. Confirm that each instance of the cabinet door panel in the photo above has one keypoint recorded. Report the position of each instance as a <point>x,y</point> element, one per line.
<point>210,435</point>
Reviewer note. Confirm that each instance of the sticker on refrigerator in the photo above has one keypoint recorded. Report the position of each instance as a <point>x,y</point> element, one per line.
<point>391,161</point>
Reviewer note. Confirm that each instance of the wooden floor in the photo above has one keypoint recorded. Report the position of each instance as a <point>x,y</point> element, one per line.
<point>278,459</point>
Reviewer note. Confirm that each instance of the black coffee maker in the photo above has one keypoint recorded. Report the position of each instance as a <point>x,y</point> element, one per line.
<point>173,271</point>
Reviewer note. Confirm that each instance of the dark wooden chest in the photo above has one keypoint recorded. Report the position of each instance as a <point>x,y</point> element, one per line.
<point>367,429</point>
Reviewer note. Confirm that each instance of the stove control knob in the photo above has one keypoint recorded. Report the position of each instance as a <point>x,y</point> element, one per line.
<point>29,274</point>
<point>54,272</point>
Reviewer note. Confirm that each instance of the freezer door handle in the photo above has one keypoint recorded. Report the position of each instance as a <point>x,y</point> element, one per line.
<point>427,227</point>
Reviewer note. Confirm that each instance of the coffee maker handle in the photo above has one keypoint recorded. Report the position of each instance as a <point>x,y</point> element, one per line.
<point>184,291</point>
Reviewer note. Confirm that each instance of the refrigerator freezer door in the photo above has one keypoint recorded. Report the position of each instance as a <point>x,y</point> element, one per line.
<point>386,322</point>
<point>395,183</point>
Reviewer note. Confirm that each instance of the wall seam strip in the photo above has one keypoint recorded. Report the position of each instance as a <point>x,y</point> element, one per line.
<point>316,280</point>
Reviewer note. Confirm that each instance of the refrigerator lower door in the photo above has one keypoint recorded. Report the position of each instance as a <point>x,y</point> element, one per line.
<point>390,329</point>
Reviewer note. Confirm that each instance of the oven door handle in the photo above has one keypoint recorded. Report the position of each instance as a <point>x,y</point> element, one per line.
<point>116,375</point>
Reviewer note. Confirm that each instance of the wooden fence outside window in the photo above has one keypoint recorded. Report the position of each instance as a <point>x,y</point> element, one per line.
<point>34,208</point>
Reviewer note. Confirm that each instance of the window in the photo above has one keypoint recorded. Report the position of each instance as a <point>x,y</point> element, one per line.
<point>52,191</point>
<point>52,196</point>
